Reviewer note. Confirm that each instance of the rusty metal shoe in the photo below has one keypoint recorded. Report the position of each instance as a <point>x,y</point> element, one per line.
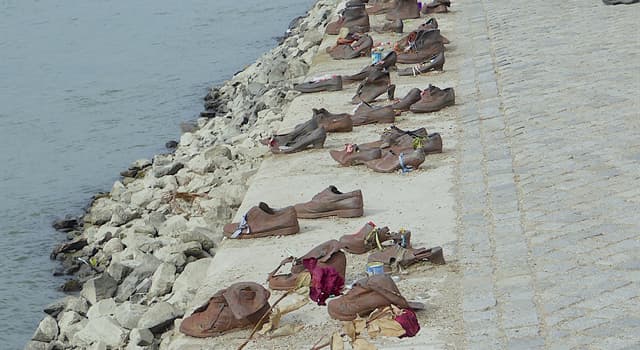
<point>436,62</point>
<point>367,295</point>
<point>331,122</point>
<point>405,161</point>
<point>436,6</point>
<point>369,237</point>
<point>331,84</point>
<point>421,55</point>
<point>388,61</point>
<point>354,155</point>
<point>331,202</point>
<point>367,114</point>
<point>376,84</point>
<point>241,305</point>
<point>404,103</point>
<point>315,139</point>
<point>354,17</point>
<point>328,254</point>
<point>434,101</point>
<point>405,9</point>
<point>395,26</point>
<point>263,221</point>
<point>396,256</point>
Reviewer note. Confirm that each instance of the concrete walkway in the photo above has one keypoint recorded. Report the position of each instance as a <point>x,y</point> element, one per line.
<point>422,201</point>
<point>535,199</point>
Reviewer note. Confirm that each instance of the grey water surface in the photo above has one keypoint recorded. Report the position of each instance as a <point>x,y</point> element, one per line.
<point>88,86</point>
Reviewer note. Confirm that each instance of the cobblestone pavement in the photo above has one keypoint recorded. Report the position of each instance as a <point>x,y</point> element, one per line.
<point>549,173</point>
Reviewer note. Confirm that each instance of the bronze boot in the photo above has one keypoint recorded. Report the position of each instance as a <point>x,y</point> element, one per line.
<point>354,17</point>
<point>395,26</point>
<point>298,130</point>
<point>405,9</point>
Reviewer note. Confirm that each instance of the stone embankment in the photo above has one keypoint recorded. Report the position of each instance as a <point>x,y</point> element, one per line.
<point>140,250</point>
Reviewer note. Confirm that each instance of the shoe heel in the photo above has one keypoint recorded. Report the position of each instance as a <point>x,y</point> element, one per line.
<point>391,91</point>
<point>437,256</point>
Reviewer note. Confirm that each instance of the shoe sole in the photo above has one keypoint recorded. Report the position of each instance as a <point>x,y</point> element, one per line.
<point>343,213</point>
<point>279,232</point>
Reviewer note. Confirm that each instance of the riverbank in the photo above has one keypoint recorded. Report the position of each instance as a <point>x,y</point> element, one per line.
<point>167,212</point>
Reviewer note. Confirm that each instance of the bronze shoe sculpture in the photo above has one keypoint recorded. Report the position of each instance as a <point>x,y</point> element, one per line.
<point>327,254</point>
<point>367,295</point>
<point>376,84</point>
<point>298,131</point>
<point>331,202</point>
<point>331,122</point>
<point>404,103</point>
<point>391,135</point>
<point>388,61</point>
<point>436,62</point>
<point>331,84</point>
<point>396,256</point>
<point>241,305</point>
<point>315,139</point>
<point>354,155</point>
<point>381,7</point>
<point>434,99</point>
<point>432,144</point>
<point>367,238</point>
<point>367,114</point>
<point>358,48</point>
<point>419,38</point>
<point>436,6</point>
<point>405,161</point>
<point>431,23</point>
<point>395,26</point>
<point>354,17</point>
<point>263,221</point>
<point>404,9</point>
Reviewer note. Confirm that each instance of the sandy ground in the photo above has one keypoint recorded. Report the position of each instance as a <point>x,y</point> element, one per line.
<point>422,201</point>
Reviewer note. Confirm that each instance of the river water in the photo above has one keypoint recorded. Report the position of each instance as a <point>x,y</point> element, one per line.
<point>86,87</point>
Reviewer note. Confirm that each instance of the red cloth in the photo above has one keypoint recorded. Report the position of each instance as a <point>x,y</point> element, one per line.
<point>409,322</point>
<point>325,281</point>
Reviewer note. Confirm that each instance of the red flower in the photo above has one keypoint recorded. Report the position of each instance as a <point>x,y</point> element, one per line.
<point>409,322</point>
<point>325,281</point>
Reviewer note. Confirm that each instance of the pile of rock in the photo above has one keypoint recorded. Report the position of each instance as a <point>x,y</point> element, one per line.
<point>142,249</point>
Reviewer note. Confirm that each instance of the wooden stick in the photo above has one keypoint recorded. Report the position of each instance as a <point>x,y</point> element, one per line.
<point>255,329</point>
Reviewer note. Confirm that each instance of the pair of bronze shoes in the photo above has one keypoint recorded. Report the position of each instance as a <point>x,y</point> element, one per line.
<point>264,221</point>
<point>396,149</point>
<point>347,49</point>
